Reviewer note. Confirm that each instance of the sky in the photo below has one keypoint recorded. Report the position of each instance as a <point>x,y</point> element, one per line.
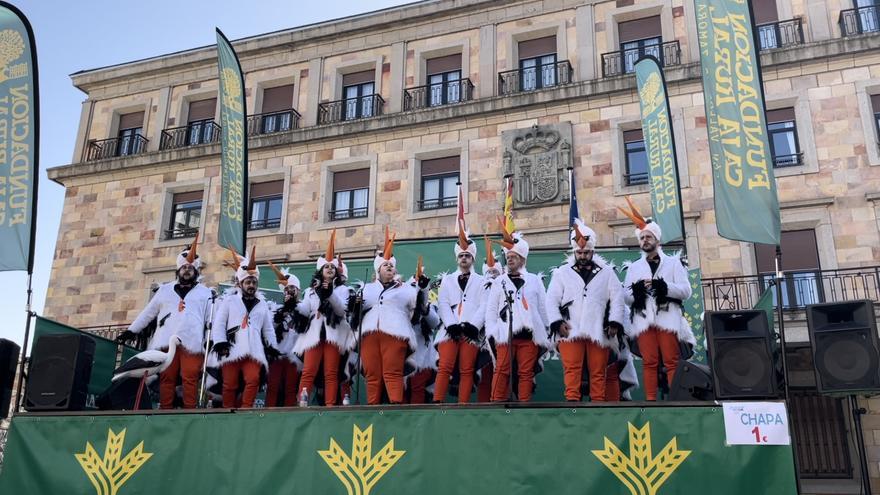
<point>77,35</point>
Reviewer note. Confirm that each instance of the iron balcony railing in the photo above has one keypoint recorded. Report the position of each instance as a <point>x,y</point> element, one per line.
<point>348,213</point>
<point>860,20</point>
<point>193,134</point>
<point>624,61</point>
<point>780,34</point>
<point>271,122</point>
<point>799,288</point>
<point>120,146</point>
<point>182,233</point>
<point>636,179</point>
<point>435,95</point>
<point>350,109</point>
<point>269,223</point>
<point>437,203</point>
<point>793,160</point>
<point>534,78</point>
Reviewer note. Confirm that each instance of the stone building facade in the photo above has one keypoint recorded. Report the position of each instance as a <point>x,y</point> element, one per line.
<point>404,101</point>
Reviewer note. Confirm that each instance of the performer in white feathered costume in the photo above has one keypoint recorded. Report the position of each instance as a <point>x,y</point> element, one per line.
<point>181,308</point>
<point>243,333</point>
<point>655,288</point>
<point>529,317</point>
<point>486,359</point>
<point>282,387</point>
<point>425,322</point>
<point>579,293</point>
<point>387,331</point>
<point>462,308</point>
<point>328,336</point>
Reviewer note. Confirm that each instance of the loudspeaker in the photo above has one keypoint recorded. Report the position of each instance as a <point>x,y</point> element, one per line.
<point>741,353</point>
<point>692,381</point>
<point>8,364</point>
<point>61,366</point>
<point>121,395</point>
<point>845,346</point>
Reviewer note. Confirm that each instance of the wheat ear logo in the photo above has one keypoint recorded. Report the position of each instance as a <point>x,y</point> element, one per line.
<point>361,471</point>
<point>641,473</point>
<point>109,473</point>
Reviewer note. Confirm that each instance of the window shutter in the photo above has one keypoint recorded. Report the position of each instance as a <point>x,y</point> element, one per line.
<point>264,189</point>
<point>277,99</point>
<point>537,47</point>
<point>440,65</point>
<point>202,110</point>
<point>358,78</point>
<point>351,179</point>
<point>131,121</point>
<point>633,135</point>
<point>438,166</point>
<point>639,29</point>
<point>780,115</point>
<point>186,197</point>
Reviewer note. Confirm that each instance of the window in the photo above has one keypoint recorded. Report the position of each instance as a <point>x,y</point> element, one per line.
<point>444,80</point>
<point>131,134</point>
<point>277,111</point>
<point>357,94</point>
<point>639,37</point>
<point>802,283</point>
<point>783,138</point>
<point>867,16</point>
<point>766,20</point>
<point>351,194</point>
<point>186,215</point>
<point>266,205</point>
<point>440,178</point>
<point>537,63</point>
<point>636,158</point>
<point>875,107</point>
<point>200,127</point>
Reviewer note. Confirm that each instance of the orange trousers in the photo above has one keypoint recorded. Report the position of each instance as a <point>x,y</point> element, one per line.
<point>329,354</point>
<point>655,344</point>
<point>188,367</point>
<point>484,389</point>
<point>283,376</point>
<point>466,354</point>
<point>525,352</point>
<point>418,384</point>
<point>248,367</point>
<point>572,355</point>
<point>383,356</point>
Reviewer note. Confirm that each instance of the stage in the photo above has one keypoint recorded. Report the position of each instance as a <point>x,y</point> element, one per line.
<point>635,447</point>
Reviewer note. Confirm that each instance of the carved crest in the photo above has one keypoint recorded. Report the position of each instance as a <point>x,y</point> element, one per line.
<point>537,160</point>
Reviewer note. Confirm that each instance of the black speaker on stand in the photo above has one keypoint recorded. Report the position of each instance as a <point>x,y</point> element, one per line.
<point>60,369</point>
<point>845,345</point>
<point>9,351</point>
<point>742,355</point>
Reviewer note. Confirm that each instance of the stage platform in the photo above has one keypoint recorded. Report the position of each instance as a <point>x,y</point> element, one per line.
<point>559,448</point>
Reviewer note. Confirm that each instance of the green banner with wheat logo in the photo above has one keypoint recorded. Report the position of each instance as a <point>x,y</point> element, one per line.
<point>487,450</point>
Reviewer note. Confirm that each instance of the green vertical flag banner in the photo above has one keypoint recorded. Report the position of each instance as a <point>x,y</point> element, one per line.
<point>659,144</point>
<point>233,154</point>
<point>746,206</point>
<point>765,304</point>
<point>19,140</point>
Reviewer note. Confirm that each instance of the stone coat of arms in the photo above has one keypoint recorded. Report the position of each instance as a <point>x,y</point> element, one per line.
<point>537,159</point>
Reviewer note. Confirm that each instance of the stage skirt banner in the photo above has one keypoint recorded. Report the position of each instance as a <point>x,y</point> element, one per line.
<point>19,131</point>
<point>746,205</point>
<point>660,147</point>
<point>491,450</point>
<point>233,151</point>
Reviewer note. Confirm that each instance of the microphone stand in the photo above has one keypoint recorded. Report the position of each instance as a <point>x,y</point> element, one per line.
<point>207,334</point>
<point>359,301</point>
<point>508,301</point>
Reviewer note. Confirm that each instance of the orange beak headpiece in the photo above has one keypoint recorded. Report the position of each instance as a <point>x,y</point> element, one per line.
<point>248,267</point>
<point>189,256</point>
<point>639,221</point>
<point>283,277</point>
<point>464,244</point>
<point>387,254</point>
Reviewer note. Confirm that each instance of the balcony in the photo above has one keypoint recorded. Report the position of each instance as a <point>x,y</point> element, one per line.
<point>861,20</point>
<point>350,109</point>
<point>181,233</point>
<point>624,61</point>
<point>348,213</point>
<point>268,223</point>
<point>534,78</point>
<point>780,34</point>
<point>794,160</point>
<point>435,95</point>
<point>272,122</point>
<point>121,146</point>
<point>799,288</point>
<point>636,179</point>
<point>437,203</point>
<point>195,133</point>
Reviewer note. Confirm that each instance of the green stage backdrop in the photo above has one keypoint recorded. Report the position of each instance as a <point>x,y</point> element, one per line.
<point>639,451</point>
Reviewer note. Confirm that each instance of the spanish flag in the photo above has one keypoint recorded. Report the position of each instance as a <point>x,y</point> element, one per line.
<point>508,206</point>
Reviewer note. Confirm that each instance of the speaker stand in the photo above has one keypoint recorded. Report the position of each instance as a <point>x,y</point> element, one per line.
<point>780,318</point>
<point>857,413</point>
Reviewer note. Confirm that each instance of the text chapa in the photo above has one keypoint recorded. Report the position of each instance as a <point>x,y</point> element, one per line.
<point>761,419</point>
